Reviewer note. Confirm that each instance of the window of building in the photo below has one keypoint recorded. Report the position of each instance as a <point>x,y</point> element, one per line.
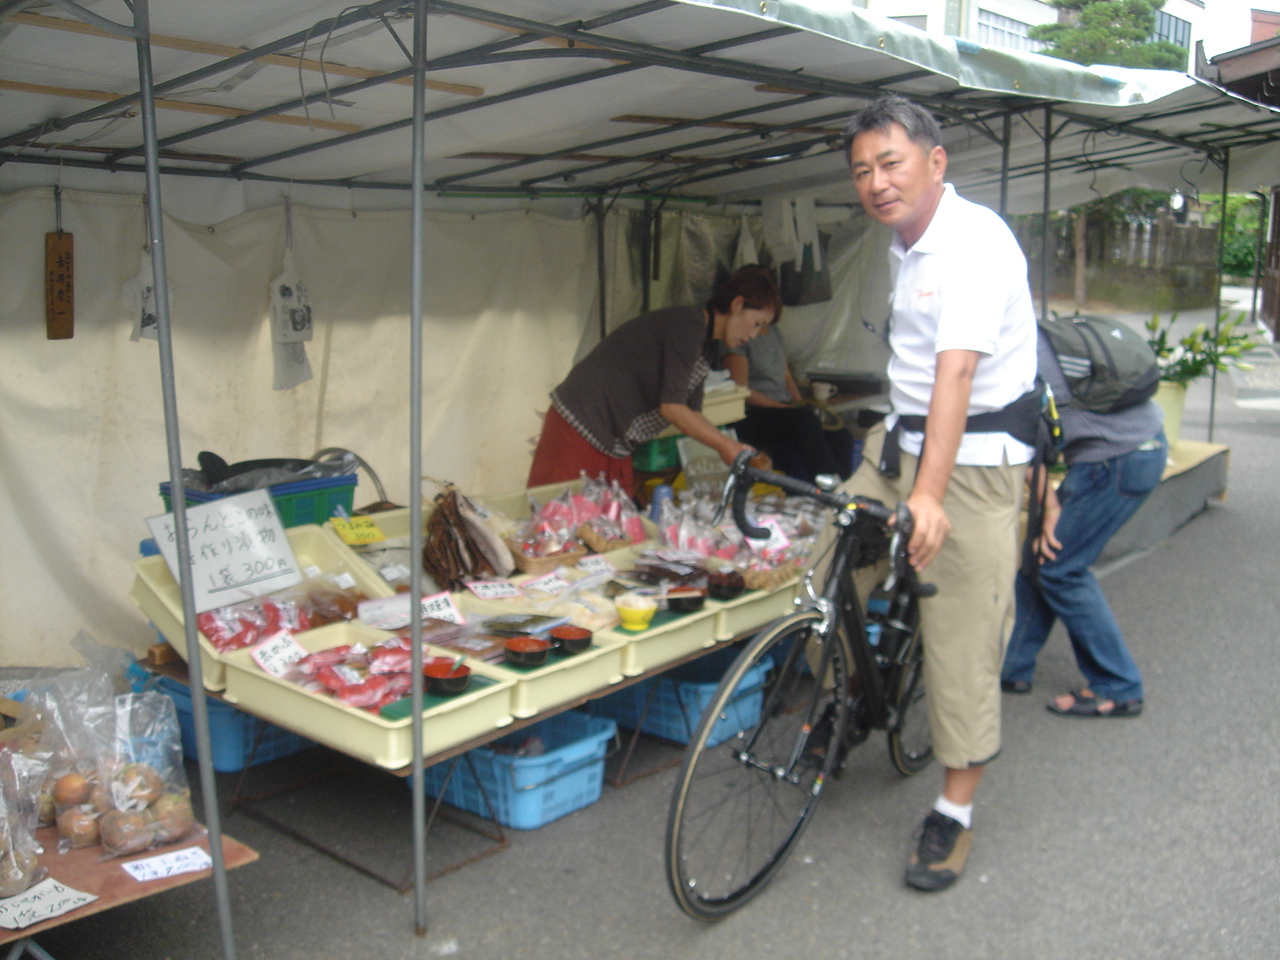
<point>995,30</point>
<point>1171,28</point>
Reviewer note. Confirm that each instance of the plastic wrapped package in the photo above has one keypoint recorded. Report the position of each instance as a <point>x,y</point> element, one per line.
<point>20,782</point>
<point>147,797</point>
<point>112,764</point>
<point>326,598</point>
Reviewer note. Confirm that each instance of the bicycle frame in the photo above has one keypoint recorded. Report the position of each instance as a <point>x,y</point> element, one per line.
<point>839,595</point>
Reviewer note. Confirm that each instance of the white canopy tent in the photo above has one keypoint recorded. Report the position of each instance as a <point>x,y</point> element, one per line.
<point>717,103</point>
<point>697,105</point>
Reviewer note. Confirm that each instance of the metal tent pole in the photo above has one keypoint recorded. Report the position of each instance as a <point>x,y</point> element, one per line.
<point>199,706</point>
<point>1217,294</point>
<point>1005,138</point>
<point>599,210</point>
<point>415,461</point>
<point>1044,227</point>
<point>1263,211</point>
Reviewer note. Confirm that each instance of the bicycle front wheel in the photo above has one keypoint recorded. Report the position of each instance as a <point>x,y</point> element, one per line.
<point>910,737</point>
<point>755,769</point>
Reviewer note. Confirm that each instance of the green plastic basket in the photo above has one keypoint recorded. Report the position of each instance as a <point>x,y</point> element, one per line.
<point>655,455</point>
<point>298,503</point>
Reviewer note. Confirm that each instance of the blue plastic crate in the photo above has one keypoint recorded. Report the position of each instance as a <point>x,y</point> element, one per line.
<point>680,696</point>
<point>530,792</point>
<point>231,731</point>
<point>303,501</point>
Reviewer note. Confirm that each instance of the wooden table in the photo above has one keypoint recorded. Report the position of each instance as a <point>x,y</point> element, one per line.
<point>85,870</point>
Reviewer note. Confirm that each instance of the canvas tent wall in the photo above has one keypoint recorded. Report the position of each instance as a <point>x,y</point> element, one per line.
<point>527,113</point>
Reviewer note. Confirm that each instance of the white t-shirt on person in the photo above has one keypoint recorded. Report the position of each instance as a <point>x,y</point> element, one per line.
<point>962,286</point>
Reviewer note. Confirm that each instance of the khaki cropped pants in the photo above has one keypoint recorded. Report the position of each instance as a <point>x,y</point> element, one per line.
<point>966,626</point>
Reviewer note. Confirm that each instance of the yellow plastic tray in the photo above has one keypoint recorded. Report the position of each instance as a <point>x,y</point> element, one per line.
<point>356,732</point>
<point>562,679</point>
<point>666,640</point>
<point>157,594</point>
<point>753,609</point>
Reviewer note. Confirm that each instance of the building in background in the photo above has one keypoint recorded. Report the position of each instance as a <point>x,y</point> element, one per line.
<point>1265,25</point>
<point>1004,23</point>
<point>1253,71</point>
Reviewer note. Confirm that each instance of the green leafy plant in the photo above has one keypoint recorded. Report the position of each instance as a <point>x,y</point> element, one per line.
<point>1202,350</point>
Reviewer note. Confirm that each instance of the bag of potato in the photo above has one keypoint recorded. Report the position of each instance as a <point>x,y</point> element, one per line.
<point>76,712</point>
<point>143,783</point>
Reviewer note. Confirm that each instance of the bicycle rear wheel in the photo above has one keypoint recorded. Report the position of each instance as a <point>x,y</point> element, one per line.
<point>910,737</point>
<point>748,786</point>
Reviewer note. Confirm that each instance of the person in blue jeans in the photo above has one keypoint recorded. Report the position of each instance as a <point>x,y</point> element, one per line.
<point>1113,461</point>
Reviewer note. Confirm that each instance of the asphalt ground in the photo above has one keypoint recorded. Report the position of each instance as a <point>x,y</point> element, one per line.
<point>1110,839</point>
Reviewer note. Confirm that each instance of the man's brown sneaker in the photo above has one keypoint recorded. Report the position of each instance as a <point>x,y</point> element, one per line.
<point>939,857</point>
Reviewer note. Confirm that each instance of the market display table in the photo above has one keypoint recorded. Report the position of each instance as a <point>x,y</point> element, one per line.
<point>253,804</point>
<point>86,871</point>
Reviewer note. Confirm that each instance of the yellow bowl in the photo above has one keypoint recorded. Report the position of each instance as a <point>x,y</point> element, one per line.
<point>634,611</point>
<point>634,618</point>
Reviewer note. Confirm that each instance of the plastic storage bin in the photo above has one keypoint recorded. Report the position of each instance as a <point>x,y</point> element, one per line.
<point>303,501</point>
<point>530,792</point>
<point>231,732</point>
<point>655,455</point>
<point>681,695</point>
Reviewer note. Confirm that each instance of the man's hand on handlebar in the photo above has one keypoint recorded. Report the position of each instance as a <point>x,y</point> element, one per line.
<point>931,529</point>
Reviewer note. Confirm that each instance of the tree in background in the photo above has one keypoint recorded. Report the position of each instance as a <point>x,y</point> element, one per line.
<point>1240,230</point>
<point>1109,31</point>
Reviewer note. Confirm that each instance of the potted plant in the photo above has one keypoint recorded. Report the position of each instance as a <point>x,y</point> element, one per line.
<point>1196,355</point>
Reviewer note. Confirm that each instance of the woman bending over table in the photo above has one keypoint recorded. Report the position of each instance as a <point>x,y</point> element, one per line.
<point>645,376</point>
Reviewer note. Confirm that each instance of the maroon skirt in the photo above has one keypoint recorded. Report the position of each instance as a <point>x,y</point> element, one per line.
<point>563,454</point>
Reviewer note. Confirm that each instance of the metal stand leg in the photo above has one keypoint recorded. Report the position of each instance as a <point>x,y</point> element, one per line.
<point>28,946</point>
<point>403,884</point>
<point>620,779</point>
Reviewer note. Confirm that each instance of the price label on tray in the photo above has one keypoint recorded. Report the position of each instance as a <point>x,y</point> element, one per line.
<point>596,564</point>
<point>278,653</point>
<point>547,583</point>
<point>678,556</point>
<point>392,613</point>
<point>357,531</point>
<point>493,589</point>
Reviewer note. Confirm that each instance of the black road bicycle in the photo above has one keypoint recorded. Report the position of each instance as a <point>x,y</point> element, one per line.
<point>832,671</point>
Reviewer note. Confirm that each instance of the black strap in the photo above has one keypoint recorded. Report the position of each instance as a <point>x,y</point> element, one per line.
<point>1020,419</point>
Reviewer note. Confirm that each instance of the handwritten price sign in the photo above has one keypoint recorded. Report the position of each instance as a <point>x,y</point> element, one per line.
<point>239,549</point>
<point>45,900</point>
<point>278,653</point>
<point>356,531</point>
<point>169,864</point>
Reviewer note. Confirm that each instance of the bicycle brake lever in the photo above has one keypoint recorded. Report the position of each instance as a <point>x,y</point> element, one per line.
<point>902,525</point>
<point>725,493</point>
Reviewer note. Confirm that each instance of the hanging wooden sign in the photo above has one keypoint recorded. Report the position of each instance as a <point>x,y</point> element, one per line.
<point>59,286</point>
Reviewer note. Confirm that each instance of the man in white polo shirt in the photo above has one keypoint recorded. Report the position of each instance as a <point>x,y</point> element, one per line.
<point>963,367</point>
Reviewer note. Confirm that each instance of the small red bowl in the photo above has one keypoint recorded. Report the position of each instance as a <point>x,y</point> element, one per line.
<point>570,639</point>
<point>443,678</point>
<point>526,651</point>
